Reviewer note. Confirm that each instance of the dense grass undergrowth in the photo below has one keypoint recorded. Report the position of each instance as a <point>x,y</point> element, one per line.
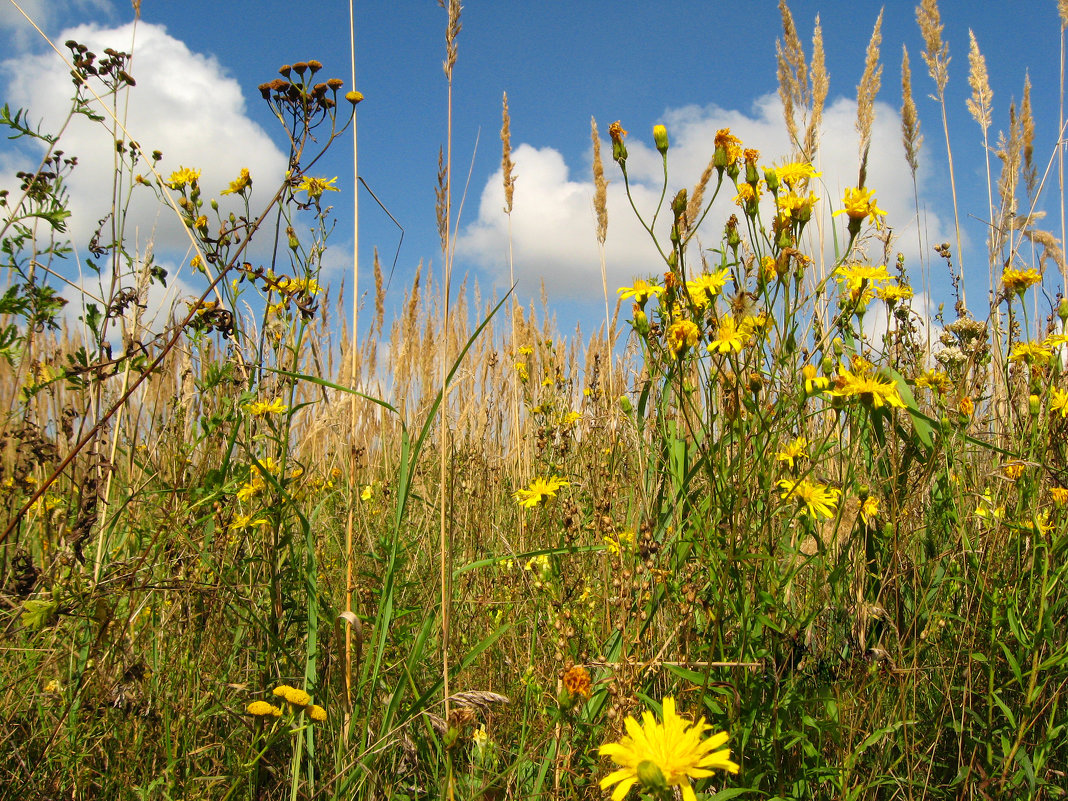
<point>248,557</point>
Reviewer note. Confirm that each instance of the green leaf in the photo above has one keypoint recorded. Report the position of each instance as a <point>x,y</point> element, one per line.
<point>38,614</point>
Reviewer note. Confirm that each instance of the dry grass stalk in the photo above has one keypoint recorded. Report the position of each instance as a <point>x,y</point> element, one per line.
<point>936,51</point>
<point>1051,246</point>
<point>1062,9</point>
<point>979,104</point>
<point>506,157</point>
<point>697,196</point>
<point>1009,150</point>
<point>867,91</point>
<point>1027,123</point>
<point>820,86</point>
<point>600,208</point>
<point>451,34</point>
<point>600,185</point>
<point>792,72</point>
<point>910,120</point>
<point>380,298</point>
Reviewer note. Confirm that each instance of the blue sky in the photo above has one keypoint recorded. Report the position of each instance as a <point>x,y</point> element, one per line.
<point>695,66</point>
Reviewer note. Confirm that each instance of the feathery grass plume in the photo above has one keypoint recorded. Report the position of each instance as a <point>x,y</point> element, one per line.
<point>979,104</point>
<point>910,120</point>
<point>792,72</point>
<point>600,207</point>
<point>1051,247</point>
<point>1027,123</point>
<point>1062,9</point>
<point>451,34</point>
<point>441,200</point>
<point>820,85</point>
<point>867,90</point>
<point>1009,150</point>
<point>936,56</point>
<point>697,197</point>
<point>600,185</point>
<point>936,51</point>
<point>506,156</point>
<point>380,297</point>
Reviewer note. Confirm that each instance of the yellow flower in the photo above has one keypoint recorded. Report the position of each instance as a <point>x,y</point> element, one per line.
<point>860,203</point>
<point>316,186</point>
<point>317,713</point>
<point>706,286</point>
<point>1058,401</point>
<point>728,149</point>
<point>871,391</point>
<point>682,335</point>
<point>747,195</point>
<point>1013,471</point>
<point>1020,280</point>
<point>934,379</point>
<point>792,206</point>
<point>730,335</point>
<point>813,381</point>
<point>641,291</point>
<point>577,681</point>
<point>869,509</point>
<point>1059,494</point>
<point>183,176</point>
<point>262,408</point>
<point>669,753</point>
<point>367,492</point>
<point>262,709</point>
<point>892,294</point>
<point>792,451</point>
<point>858,275</point>
<point>53,686</point>
<point>1029,352</point>
<point>242,522</point>
<point>292,695</point>
<point>796,174</point>
<point>239,184</point>
<point>818,500</point>
<point>540,490</point>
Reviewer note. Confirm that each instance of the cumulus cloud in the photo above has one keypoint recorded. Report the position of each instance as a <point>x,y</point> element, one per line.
<point>184,105</point>
<point>44,14</point>
<point>553,222</point>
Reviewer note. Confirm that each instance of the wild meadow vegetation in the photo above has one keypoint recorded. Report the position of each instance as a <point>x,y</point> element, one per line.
<point>767,521</point>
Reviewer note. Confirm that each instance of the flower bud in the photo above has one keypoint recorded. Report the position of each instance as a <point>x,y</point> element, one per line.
<point>771,178</point>
<point>651,777</point>
<point>660,137</point>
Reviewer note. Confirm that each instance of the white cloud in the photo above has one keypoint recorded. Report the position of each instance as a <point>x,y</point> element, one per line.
<point>553,222</point>
<point>44,14</point>
<point>184,105</point>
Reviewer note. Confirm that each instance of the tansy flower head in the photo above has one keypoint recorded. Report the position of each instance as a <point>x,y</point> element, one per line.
<point>263,709</point>
<point>577,681</point>
<point>292,695</point>
<point>664,755</point>
<point>317,713</point>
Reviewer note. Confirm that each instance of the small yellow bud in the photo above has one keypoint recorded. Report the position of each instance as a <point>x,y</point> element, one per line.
<point>660,137</point>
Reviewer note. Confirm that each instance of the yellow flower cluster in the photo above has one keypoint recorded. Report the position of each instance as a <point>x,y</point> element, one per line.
<point>540,490</point>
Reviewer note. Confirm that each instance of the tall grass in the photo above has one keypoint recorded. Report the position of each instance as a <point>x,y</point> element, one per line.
<point>250,556</point>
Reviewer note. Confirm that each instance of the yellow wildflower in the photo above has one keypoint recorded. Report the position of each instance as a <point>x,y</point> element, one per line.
<point>316,186</point>
<point>540,490</point>
<point>681,336</point>
<point>183,176</point>
<point>796,174</point>
<point>641,291</point>
<point>871,391</point>
<point>665,755</point>
<point>292,695</point>
<point>1059,495</point>
<point>813,381</point>
<point>817,500</point>
<point>793,451</point>
<point>262,408</point>
<point>706,286</point>
<point>1058,401</point>
<point>1020,281</point>
<point>263,709</point>
<point>317,713</point>
<point>730,335</point>
<point>860,203</point>
<point>239,184</point>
